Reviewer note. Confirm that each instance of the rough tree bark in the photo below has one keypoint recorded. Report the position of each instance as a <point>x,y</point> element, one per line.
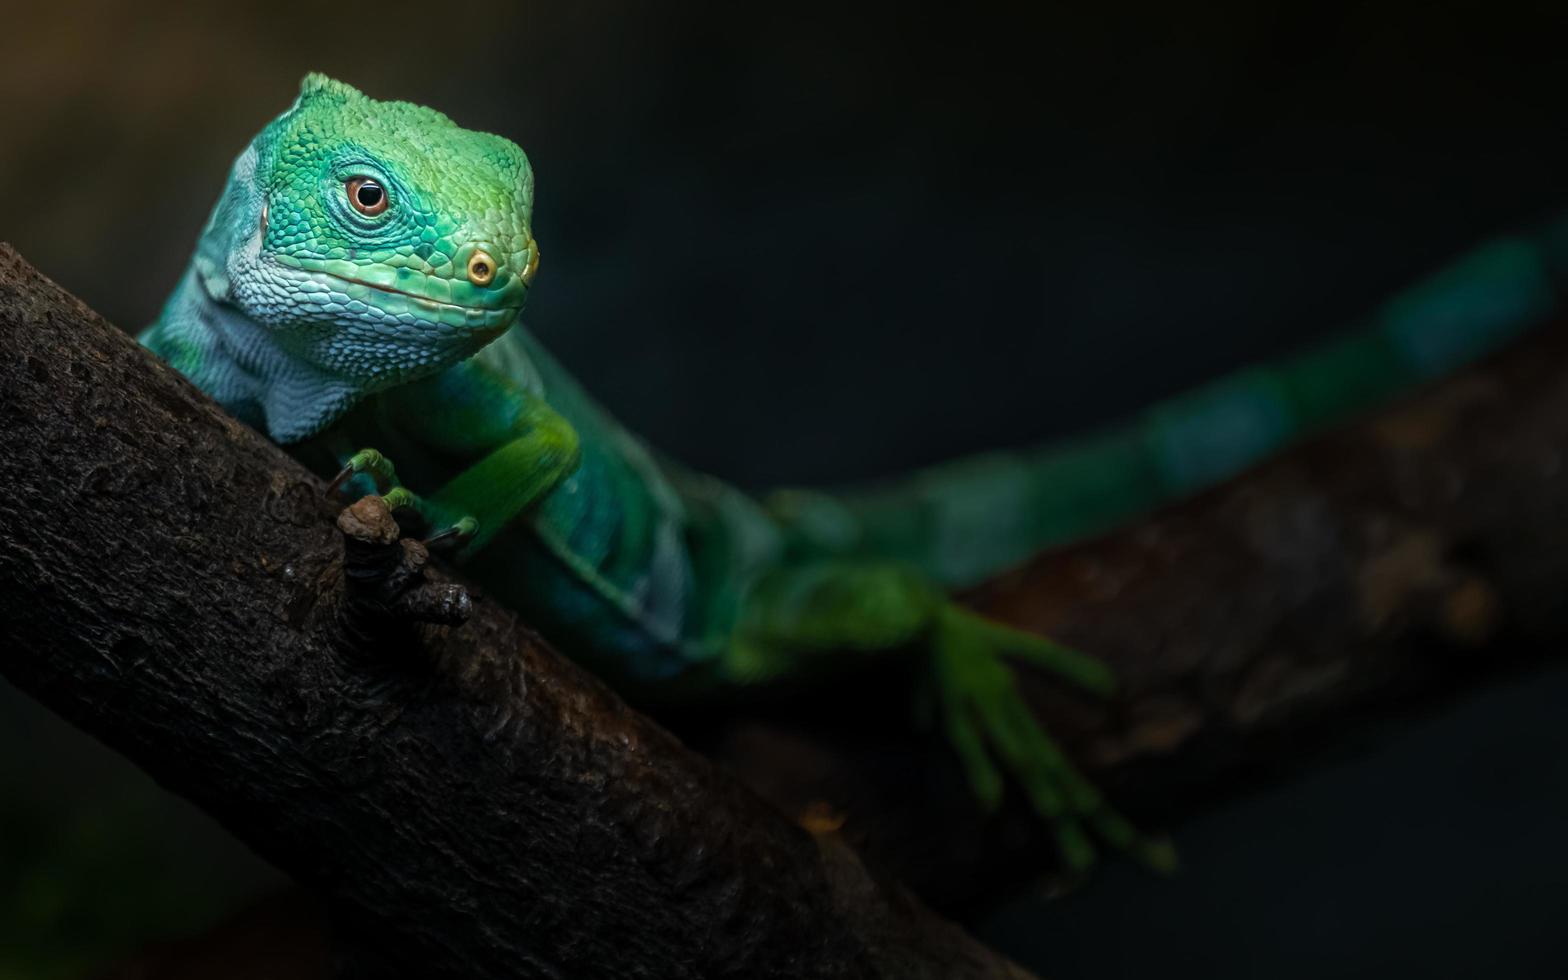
<point>469,803</point>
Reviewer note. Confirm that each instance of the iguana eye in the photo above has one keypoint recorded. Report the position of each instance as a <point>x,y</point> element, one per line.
<point>368,197</point>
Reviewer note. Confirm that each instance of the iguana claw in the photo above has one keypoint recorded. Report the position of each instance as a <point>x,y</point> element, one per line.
<point>337,482</point>
<point>365,461</point>
<point>457,534</point>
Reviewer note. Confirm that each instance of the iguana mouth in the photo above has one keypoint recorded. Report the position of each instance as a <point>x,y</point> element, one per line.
<point>418,298</point>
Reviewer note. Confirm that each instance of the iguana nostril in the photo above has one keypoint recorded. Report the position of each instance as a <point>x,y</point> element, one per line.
<point>481,268</point>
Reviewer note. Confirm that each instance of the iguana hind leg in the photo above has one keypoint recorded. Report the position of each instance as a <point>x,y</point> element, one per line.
<point>520,449</point>
<point>829,606</point>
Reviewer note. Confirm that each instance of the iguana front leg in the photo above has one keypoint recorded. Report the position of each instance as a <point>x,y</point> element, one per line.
<point>524,450</point>
<point>512,477</point>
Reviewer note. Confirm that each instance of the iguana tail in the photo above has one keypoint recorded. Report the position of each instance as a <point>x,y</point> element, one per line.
<point>969,519</point>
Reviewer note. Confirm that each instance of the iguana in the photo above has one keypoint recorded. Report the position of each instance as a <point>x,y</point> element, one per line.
<point>356,295</point>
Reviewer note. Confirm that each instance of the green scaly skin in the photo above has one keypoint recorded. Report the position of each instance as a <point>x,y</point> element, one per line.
<point>337,326</point>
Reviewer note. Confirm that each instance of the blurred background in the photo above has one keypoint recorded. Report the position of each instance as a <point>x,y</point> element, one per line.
<point>796,244</point>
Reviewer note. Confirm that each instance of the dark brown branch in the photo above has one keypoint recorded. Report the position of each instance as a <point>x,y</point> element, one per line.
<point>469,803</point>
<point>1386,563</point>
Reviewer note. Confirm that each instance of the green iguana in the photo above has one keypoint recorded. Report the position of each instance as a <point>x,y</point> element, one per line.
<point>359,285</point>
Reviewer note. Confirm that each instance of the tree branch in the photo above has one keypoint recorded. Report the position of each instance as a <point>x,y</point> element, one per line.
<point>468,802</point>
<point>171,582</point>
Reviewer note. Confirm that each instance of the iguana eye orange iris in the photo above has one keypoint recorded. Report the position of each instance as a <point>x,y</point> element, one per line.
<point>366,195</point>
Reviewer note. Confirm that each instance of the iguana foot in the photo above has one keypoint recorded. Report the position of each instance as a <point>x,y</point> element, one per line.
<point>458,529</point>
<point>988,722</point>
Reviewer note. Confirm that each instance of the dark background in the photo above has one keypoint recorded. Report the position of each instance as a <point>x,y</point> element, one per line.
<point>796,244</point>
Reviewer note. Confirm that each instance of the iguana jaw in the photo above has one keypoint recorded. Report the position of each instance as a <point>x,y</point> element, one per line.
<point>423,301</point>
<point>400,289</point>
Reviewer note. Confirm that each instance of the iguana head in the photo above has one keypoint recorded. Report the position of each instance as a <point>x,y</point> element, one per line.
<point>373,242</point>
